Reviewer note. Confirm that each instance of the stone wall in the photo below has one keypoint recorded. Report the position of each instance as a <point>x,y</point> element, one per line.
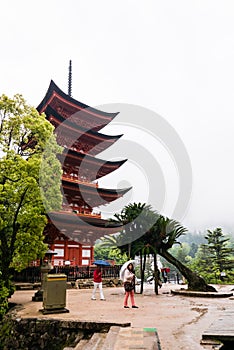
<point>88,283</point>
<point>38,333</point>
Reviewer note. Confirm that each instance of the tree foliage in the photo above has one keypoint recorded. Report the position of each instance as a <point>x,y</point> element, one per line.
<point>107,249</point>
<point>181,252</point>
<point>29,183</point>
<point>219,252</point>
<point>215,260</point>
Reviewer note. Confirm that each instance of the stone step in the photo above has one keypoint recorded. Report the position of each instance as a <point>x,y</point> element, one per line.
<point>110,338</point>
<point>82,343</point>
<point>94,343</point>
<point>137,338</point>
<point>124,338</point>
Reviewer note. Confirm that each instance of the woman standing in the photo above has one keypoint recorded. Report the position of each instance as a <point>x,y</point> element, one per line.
<point>129,285</point>
<point>97,282</point>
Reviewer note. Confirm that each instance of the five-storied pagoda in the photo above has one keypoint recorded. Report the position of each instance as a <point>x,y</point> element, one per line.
<point>72,231</point>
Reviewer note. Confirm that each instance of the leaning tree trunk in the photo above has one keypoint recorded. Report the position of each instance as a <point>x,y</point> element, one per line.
<point>195,282</point>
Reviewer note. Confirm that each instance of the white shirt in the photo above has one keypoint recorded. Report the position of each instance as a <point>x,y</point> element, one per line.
<point>128,276</point>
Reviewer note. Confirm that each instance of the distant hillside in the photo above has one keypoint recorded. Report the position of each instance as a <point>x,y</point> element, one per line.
<point>193,237</point>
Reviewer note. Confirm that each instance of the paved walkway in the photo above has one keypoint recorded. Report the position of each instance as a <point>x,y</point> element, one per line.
<point>179,320</point>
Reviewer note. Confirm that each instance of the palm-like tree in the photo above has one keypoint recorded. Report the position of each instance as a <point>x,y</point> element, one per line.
<point>142,225</point>
<point>136,219</point>
<point>109,241</point>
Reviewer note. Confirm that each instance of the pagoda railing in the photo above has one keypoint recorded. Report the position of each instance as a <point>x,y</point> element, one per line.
<point>74,210</point>
<point>93,215</point>
<point>76,179</point>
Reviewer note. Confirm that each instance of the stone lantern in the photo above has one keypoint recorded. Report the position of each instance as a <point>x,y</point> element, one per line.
<point>46,266</point>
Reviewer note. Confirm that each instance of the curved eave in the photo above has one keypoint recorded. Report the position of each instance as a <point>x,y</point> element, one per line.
<point>93,197</point>
<point>72,219</point>
<point>79,133</point>
<point>94,145</point>
<point>98,166</point>
<point>81,229</point>
<point>98,145</point>
<point>70,125</point>
<point>94,190</point>
<point>54,89</point>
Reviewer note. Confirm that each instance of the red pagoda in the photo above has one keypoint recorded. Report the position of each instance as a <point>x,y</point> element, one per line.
<point>72,231</point>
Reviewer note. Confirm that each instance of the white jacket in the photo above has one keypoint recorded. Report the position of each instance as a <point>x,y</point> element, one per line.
<point>128,276</point>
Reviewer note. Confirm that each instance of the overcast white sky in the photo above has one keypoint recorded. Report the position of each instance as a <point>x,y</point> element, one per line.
<point>175,58</point>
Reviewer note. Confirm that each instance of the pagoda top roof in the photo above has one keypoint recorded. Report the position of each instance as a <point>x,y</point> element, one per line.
<point>56,98</point>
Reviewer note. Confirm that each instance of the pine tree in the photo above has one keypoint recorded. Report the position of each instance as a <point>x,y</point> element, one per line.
<point>221,256</point>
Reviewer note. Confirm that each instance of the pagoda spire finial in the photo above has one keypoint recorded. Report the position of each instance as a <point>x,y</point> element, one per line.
<point>70,78</point>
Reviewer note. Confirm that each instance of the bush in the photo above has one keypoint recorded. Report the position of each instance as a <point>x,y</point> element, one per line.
<point>4,293</point>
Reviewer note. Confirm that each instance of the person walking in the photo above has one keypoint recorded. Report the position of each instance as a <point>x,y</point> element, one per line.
<point>97,283</point>
<point>129,286</point>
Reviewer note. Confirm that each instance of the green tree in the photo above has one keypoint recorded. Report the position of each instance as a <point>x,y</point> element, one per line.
<point>221,257</point>
<point>181,252</point>
<point>201,264</point>
<point>193,250</point>
<point>29,184</point>
<point>161,233</point>
<point>117,255</point>
<point>136,218</point>
<point>108,249</point>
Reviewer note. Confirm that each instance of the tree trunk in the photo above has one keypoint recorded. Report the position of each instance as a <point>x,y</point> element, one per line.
<point>129,250</point>
<point>143,274</point>
<point>195,282</point>
<point>155,274</point>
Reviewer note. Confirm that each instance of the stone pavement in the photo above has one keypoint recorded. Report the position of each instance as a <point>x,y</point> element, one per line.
<point>178,320</point>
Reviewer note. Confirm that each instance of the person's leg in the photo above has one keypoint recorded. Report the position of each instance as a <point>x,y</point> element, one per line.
<point>101,291</point>
<point>132,297</point>
<point>126,299</point>
<point>94,290</point>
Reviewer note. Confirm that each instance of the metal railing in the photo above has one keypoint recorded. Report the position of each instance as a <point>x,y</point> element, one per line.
<point>33,274</point>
